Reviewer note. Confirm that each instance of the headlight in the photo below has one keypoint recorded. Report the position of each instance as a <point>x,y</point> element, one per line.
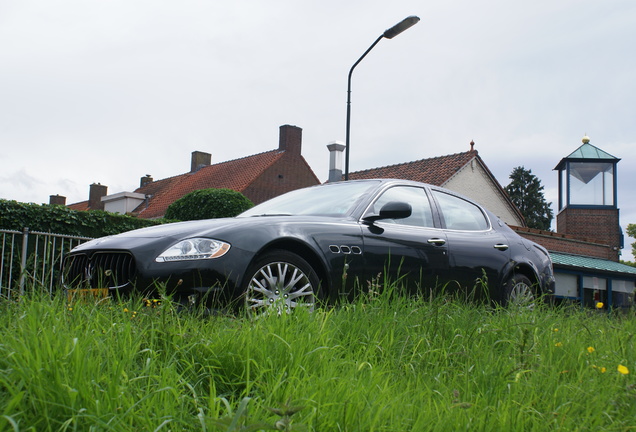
<point>194,249</point>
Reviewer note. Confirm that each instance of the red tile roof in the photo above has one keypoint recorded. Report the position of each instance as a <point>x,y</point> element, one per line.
<point>435,171</point>
<point>236,174</point>
<point>80,206</point>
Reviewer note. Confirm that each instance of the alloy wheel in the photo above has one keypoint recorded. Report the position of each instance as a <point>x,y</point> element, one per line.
<point>277,288</point>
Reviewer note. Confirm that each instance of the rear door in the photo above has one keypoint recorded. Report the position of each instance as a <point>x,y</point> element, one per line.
<point>478,254</point>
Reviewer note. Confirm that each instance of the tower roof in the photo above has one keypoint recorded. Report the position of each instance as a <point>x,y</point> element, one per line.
<point>587,153</point>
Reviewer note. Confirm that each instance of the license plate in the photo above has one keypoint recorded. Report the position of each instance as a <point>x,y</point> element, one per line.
<point>95,294</point>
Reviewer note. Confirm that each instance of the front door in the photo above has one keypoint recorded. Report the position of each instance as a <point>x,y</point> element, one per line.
<point>410,251</point>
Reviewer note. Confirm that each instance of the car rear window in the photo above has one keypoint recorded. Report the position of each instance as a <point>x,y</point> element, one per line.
<point>459,214</point>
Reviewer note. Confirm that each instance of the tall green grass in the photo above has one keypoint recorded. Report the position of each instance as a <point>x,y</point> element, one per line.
<point>383,363</point>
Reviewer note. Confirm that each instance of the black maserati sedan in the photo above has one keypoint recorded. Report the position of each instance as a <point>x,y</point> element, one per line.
<point>321,243</point>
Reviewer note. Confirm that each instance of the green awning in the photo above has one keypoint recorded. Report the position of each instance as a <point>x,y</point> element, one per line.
<point>589,264</point>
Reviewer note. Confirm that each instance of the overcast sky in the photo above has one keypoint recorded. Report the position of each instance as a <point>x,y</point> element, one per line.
<point>108,91</point>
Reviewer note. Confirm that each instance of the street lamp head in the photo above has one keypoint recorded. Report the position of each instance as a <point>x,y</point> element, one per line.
<point>401,26</point>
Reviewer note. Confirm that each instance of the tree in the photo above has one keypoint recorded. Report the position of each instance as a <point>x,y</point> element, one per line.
<point>526,192</point>
<point>631,231</point>
<point>208,204</point>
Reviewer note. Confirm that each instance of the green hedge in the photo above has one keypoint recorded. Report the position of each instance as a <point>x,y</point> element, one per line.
<point>62,220</point>
<point>208,204</point>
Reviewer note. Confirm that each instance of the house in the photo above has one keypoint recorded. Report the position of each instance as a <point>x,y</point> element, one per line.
<point>259,177</point>
<point>465,173</point>
<point>95,193</point>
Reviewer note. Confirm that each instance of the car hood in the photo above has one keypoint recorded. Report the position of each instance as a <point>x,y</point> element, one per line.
<point>220,229</point>
<point>181,229</point>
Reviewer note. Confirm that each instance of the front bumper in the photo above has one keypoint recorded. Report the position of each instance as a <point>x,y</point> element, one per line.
<point>122,272</point>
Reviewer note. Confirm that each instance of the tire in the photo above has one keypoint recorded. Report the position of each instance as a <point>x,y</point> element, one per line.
<point>520,292</point>
<point>279,282</point>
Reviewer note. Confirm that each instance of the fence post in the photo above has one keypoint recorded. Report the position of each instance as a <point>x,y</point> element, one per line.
<point>23,262</point>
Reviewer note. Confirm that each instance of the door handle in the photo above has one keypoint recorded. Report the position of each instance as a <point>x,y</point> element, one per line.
<point>436,241</point>
<point>501,247</point>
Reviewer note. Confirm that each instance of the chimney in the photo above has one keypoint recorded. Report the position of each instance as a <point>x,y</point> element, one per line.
<point>200,160</point>
<point>57,199</point>
<point>145,180</point>
<point>290,139</point>
<point>336,150</point>
<point>97,191</point>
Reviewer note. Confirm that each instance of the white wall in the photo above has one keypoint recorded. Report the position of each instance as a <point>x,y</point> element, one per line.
<point>122,202</point>
<point>475,183</point>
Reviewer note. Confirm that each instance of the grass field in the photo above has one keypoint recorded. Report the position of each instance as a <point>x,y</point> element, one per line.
<point>383,363</point>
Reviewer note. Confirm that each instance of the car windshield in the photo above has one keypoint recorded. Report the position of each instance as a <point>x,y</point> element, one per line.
<point>334,199</point>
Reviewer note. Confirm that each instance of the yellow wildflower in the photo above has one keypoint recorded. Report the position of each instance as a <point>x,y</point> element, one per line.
<point>599,305</point>
<point>590,349</point>
<point>623,369</point>
<point>558,344</point>
<point>555,330</point>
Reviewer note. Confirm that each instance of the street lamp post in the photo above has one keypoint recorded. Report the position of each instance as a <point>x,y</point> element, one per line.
<point>389,34</point>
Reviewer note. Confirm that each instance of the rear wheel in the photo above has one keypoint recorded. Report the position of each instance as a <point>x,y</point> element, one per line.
<point>279,282</point>
<point>519,291</point>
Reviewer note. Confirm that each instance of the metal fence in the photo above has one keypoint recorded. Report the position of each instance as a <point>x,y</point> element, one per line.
<point>32,260</point>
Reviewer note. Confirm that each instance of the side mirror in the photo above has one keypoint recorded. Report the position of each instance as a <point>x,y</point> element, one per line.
<point>392,210</point>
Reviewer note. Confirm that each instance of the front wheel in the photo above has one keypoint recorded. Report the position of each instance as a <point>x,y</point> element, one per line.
<point>519,291</point>
<point>279,282</point>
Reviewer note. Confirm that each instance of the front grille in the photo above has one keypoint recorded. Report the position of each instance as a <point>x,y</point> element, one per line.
<point>100,270</point>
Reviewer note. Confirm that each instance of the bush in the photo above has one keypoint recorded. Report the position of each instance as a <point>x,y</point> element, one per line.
<point>208,204</point>
<point>59,219</point>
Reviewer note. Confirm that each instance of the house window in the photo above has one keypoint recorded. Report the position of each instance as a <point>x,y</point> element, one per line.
<point>594,291</point>
<point>622,293</point>
<point>567,285</point>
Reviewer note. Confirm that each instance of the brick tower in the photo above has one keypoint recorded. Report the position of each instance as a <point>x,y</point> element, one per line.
<point>587,196</point>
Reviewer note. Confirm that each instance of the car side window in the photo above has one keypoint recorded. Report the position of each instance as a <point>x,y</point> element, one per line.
<point>459,214</point>
<point>421,215</point>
